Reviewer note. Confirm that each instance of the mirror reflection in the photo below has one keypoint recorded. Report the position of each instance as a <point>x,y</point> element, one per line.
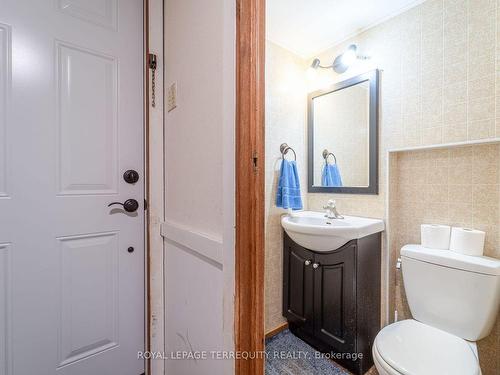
<point>342,129</point>
<point>341,126</point>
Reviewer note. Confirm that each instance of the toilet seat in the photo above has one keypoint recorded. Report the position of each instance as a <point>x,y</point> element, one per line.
<point>382,367</point>
<point>409,347</point>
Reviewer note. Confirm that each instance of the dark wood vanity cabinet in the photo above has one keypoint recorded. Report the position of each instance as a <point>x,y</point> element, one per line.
<point>332,299</point>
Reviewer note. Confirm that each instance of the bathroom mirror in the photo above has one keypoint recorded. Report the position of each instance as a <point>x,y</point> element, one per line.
<point>343,137</point>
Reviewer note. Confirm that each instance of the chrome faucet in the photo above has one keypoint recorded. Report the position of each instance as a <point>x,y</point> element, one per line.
<point>331,210</point>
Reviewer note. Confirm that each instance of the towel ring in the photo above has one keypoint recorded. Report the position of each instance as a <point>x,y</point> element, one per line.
<point>326,154</point>
<point>284,148</point>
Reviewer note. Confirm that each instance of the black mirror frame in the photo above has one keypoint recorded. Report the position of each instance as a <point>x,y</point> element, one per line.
<point>372,188</point>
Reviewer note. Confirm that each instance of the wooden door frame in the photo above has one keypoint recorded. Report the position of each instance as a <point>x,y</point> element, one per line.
<point>250,169</point>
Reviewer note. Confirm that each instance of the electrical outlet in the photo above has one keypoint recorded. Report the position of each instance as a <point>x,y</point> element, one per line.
<point>172,97</point>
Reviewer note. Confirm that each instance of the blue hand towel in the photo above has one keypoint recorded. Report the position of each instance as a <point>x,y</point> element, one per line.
<point>288,194</point>
<point>331,176</point>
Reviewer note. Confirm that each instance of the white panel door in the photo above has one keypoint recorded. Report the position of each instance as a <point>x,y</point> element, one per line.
<point>71,123</point>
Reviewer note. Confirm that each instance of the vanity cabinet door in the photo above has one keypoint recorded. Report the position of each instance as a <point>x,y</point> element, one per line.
<point>298,285</point>
<point>335,298</point>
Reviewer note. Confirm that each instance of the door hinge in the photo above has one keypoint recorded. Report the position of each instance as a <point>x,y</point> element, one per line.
<point>145,204</point>
<point>152,64</point>
<point>255,160</point>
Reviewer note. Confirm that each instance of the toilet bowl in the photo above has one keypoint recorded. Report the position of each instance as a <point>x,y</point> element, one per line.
<point>454,300</point>
<point>409,347</point>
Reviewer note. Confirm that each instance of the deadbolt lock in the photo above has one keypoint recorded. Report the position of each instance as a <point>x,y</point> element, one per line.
<point>131,176</point>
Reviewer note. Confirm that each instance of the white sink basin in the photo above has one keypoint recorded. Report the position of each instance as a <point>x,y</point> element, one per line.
<point>314,231</point>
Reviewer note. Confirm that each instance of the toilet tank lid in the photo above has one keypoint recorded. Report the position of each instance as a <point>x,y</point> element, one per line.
<point>451,259</point>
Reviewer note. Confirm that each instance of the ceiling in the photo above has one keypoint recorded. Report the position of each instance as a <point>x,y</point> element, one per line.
<point>307,27</point>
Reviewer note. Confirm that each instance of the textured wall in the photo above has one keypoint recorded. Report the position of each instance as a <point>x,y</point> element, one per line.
<point>286,100</point>
<point>439,82</point>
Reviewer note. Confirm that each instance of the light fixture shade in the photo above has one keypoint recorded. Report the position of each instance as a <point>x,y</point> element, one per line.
<point>349,56</point>
<point>338,65</point>
<point>345,60</point>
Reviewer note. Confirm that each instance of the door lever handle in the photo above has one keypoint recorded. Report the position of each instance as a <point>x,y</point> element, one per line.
<point>130,205</point>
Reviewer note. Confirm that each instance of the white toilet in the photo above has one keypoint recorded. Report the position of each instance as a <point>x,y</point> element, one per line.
<point>454,301</point>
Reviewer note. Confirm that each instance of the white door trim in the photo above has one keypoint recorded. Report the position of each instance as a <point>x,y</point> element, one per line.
<point>204,244</point>
<point>155,303</point>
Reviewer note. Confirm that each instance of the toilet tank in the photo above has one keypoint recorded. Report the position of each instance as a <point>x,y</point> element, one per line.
<point>456,293</point>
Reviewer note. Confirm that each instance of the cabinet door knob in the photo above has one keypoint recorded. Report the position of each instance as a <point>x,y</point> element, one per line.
<point>307,262</point>
<point>316,265</point>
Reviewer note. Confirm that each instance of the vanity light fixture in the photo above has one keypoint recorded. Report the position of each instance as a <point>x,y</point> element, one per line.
<point>343,61</point>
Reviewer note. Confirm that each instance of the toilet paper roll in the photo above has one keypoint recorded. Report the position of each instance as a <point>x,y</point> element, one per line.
<point>435,236</point>
<point>467,241</point>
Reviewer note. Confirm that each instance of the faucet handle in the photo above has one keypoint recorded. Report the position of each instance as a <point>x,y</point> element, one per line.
<point>331,204</point>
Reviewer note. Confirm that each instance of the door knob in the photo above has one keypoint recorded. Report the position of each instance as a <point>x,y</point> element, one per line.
<point>130,205</point>
<point>316,265</point>
<point>307,262</point>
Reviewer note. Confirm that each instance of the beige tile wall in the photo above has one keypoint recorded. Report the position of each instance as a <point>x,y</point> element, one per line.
<point>440,83</point>
<point>286,98</point>
<point>455,186</point>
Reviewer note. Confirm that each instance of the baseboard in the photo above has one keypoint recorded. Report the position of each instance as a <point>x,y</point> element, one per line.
<point>276,330</point>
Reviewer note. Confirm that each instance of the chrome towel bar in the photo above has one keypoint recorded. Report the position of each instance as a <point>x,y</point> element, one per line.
<point>284,148</point>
